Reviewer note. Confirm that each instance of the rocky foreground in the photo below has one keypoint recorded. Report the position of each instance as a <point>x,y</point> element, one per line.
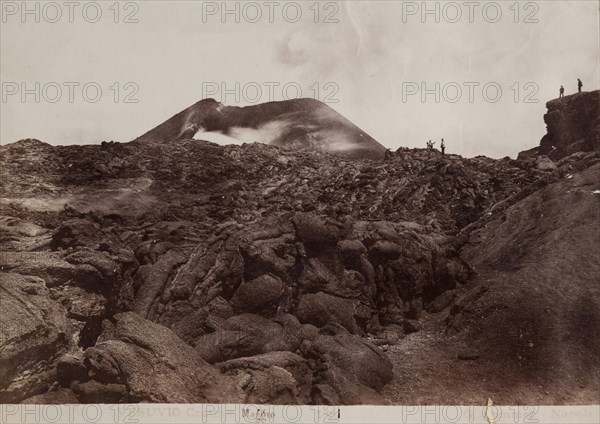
<point>183,271</point>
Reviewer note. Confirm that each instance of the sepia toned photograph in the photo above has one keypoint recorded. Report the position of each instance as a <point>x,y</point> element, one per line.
<point>318,204</point>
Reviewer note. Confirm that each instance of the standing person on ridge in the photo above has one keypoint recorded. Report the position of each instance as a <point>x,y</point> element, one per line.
<point>579,85</point>
<point>443,147</point>
<point>562,92</point>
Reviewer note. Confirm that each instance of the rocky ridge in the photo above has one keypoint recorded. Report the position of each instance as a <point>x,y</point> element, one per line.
<point>573,125</point>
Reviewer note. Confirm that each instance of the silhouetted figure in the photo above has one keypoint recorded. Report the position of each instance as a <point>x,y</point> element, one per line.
<point>429,145</point>
<point>579,85</point>
<point>562,92</point>
<point>443,147</point>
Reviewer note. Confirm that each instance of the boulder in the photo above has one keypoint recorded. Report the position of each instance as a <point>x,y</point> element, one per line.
<point>320,237</point>
<point>151,280</point>
<point>154,365</point>
<point>340,388</point>
<point>360,361</point>
<point>223,345</point>
<point>442,301</point>
<point>259,295</point>
<point>49,266</point>
<point>35,331</point>
<point>70,368</point>
<point>248,335</point>
<point>319,309</point>
<point>309,332</point>
<point>544,163</point>
<point>272,378</point>
<point>316,277</point>
<point>95,392</point>
<point>190,323</point>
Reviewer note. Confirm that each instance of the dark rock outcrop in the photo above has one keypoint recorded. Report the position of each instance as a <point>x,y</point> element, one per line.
<point>351,367</point>
<point>320,270</point>
<point>35,331</point>
<point>573,125</point>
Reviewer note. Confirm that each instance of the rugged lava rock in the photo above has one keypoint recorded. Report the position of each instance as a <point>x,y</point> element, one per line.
<point>35,331</point>
<point>149,363</point>
<point>170,269</point>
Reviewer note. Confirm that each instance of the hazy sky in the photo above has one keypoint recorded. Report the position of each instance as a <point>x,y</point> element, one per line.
<point>374,58</point>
